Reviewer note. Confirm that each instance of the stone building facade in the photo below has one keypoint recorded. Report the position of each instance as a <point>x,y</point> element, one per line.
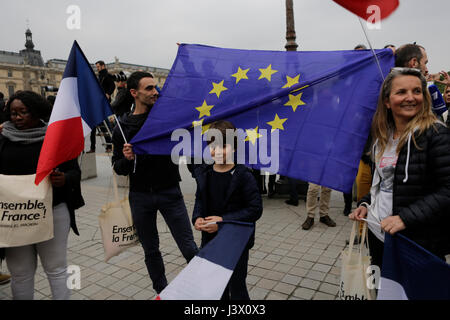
<point>26,70</point>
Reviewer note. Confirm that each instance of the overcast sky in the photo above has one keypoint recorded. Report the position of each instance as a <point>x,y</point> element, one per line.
<point>146,31</point>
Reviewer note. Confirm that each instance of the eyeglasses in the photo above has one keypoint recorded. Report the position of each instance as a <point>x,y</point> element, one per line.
<point>20,113</point>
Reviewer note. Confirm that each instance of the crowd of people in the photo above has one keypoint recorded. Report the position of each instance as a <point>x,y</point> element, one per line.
<point>403,182</point>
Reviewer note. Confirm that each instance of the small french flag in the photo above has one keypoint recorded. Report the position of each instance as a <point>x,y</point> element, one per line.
<point>80,106</point>
<point>410,272</point>
<point>207,274</point>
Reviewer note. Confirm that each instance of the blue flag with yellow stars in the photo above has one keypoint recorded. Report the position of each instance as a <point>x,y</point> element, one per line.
<point>310,112</point>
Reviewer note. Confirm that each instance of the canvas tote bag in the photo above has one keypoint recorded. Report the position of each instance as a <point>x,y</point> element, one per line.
<point>354,264</point>
<point>116,225</point>
<point>26,210</point>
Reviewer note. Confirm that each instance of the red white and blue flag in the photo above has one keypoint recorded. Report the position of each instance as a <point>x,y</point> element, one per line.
<point>80,106</point>
<point>208,273</point>
<point>410,272</point>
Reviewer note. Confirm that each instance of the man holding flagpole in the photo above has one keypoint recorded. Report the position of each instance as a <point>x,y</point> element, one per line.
<point>154,183</point>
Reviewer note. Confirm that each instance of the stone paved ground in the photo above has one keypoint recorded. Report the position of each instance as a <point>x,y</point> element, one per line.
<point>285,263</point>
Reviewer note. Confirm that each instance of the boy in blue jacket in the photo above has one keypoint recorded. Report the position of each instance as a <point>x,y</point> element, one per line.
<point>226,191</point>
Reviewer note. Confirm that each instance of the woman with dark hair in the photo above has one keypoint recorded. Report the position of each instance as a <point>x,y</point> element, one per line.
<point>410,190</point>
<point>20,144</point>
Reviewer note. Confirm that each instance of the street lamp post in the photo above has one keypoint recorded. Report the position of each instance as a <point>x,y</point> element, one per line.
<point>291,45</point>
<point>283,186</point>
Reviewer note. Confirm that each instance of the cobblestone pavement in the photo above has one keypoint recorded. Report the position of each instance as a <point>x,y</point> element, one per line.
<point>285,263</point>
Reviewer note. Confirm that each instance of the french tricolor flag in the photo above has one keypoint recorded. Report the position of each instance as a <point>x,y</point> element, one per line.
<point>410,272</point>
<point>208,273</point>
<point>80,106</point>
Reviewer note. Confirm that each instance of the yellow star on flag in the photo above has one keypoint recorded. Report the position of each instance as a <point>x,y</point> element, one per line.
<point>240,74</point>
<point>197,123</point>
<point>291,81</point>
<point>252,135</point>
<point>204,110</point>
<point>277,123</point>
<point>200,123</point>
<point>218,88</point>
<point>295,101</point>
<point>267,73</point>
<point>205,128</point>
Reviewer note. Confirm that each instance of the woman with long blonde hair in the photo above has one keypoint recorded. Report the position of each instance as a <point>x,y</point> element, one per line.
<point>410,190</point>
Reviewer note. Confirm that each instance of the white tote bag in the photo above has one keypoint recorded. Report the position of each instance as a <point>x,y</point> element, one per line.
<point>116,225</point>
<point>26,210</point>
<point>354,264</point>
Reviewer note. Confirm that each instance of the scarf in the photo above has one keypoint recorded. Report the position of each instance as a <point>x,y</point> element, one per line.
<point>26,136</point>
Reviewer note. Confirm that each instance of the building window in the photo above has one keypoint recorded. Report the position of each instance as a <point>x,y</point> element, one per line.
<point>10,91</point>
<point>10,74</point>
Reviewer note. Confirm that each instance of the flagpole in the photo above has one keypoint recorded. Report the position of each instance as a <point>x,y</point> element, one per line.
<point>120,128</point>
<point>371,48</point>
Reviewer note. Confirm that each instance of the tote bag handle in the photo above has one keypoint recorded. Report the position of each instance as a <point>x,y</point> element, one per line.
<point>364,237</point>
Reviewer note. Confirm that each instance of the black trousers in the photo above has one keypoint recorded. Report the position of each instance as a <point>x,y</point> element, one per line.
<point>348,200</point>
<point>105,132</point>
<point>376,248</point>
<point>293,192</point>
<point>237,286</point>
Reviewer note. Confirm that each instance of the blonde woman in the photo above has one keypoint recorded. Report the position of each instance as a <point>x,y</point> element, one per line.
<point>410,190</point>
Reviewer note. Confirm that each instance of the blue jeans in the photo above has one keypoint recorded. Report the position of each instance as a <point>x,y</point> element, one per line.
<point>144,206</point>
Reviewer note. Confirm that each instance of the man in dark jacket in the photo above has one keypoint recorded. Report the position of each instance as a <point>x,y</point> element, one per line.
<point>106,80</point>
<point>123,101</point>
<point>154,183</point>
<point>107,83</point>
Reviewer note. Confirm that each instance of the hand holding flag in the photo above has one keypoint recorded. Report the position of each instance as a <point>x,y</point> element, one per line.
<point>79,107</point>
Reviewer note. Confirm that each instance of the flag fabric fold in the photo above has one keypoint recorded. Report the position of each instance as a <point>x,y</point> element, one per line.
<point>320,104</point>
<point>207,274</point>
<point>79,107</point>
<point>410,272</point>
<point>360,7</point>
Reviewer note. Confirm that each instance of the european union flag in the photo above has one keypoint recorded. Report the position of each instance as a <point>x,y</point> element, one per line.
<point>319,103</point>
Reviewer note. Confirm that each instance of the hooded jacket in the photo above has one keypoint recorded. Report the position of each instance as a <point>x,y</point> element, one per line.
<point>421,192</point>
<point>148,173</point>
<point>243,200</point>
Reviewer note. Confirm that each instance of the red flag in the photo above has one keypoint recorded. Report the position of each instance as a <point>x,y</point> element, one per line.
<point>359,7</point>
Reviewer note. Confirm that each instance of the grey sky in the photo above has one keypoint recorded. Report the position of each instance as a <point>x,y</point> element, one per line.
<point>146,31</point>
